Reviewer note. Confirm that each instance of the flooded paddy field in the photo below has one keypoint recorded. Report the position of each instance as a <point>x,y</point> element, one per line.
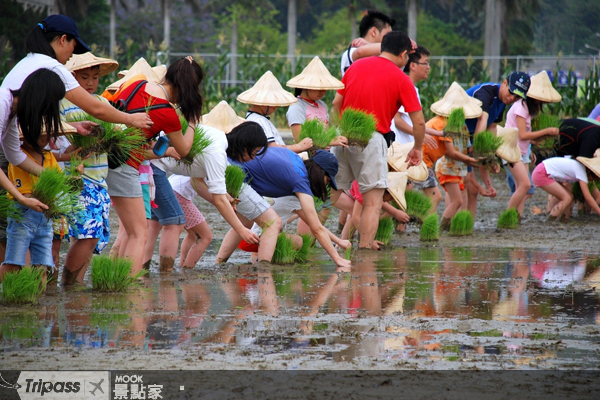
<point>515,299</point>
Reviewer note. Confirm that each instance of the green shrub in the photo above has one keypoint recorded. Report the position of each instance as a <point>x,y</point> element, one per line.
<point>417,205</point>
<point>509,219</point>
<point>234,179</point>
<point>113,274</point>
<point>430,230</point>
<point>461,224</point>
<point>315,130</point>
<point>357,126</point>
<point>384,230</point>
<point>24,286</point>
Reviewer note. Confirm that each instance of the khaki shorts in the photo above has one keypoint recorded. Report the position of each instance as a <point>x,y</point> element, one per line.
<point>368,166</point>
<point>251,205</point>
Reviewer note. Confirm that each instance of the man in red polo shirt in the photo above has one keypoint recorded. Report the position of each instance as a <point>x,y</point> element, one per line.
<point>378,86</point>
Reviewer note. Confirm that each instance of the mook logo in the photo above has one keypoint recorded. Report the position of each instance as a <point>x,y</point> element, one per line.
<point>61,385</point>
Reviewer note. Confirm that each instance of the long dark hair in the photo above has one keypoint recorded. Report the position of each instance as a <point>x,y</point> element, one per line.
<point>185,76</point>
<point>244,139</point>
<point>316,178</point>
<point>533,106</point>
<point>38,106</point>
<point>38,41</point>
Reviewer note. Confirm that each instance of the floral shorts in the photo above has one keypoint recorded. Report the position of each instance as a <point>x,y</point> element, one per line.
<point>192,215</point>
<point>92,222</point>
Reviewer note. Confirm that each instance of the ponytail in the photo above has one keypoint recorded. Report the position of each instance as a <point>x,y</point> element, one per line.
<point>185,77</point>
<point>38,40</point>
<point>316,178</point>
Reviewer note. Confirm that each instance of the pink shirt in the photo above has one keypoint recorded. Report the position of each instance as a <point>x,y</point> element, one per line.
<point>519,109</point>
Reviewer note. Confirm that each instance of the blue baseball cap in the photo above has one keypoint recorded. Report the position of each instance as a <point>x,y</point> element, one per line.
<point>518,84</point>
<point>64,24</point>
<point>329,163</point>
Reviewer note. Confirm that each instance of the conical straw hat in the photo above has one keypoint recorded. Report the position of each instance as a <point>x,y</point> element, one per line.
<point>87,60</point>
<point>509,149</point>
<point>541,89</point>
<point>397,186</point>
<point>315,76</point>
<point>456,97</point>
<point>397,160</point>
<point>222,117</point>
<point>159,70</point>
<point>267,91</point>
<point>592,163</point>
<point>141,67</point>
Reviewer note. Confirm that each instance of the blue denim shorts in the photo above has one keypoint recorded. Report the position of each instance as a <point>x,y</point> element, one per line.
<point>33,232</point>
<point>169,211</point>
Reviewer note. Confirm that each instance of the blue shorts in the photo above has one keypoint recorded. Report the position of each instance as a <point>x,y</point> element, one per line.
<point>92,221</point>
<point>169,211</point>
<point>33,232</point>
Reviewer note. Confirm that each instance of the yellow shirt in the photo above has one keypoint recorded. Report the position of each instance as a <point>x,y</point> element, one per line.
<point>23,180</point>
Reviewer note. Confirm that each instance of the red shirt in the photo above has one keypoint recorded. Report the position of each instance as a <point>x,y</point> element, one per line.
<point>378,86</point>
<point>165,119</point>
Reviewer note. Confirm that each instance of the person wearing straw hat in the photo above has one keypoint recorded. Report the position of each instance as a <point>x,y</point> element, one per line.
<point>49,45</point>
<point>449,157</point>
<point>264,98</point>
<point>91,232</point>
<point>494,98</point>
<point>551,171</point>
<point>369,165</point>
<point>519,116</point>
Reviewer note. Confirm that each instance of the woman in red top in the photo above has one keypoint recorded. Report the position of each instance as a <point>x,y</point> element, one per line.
<point>181,86</point>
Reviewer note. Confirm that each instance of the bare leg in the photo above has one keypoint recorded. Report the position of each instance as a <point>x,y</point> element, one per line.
<point>564,198</point>
<point>522,186</point>
<point>454,200</point>
<point>133,218</point>
<point>436,197</point>
<point>168,246</point>
<point>77,260</point>
<point>472,193</point>
<point>369,220</point>
<point>195,243</point>
<point>119,240</point>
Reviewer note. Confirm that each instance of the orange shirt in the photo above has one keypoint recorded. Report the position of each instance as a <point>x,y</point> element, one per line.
<point>430,156</point>
<point>23,180</point>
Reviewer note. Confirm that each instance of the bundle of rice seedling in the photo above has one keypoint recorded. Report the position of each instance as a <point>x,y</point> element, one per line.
<point>113,274</point>
<point>118,141</point>
<point>24,286</point>
<point>578,194</point>
<point>461,224</point>
<point>54,189</point>
<point>455,123</point>
<point>509,219</point>
<point>234,179</point>
<point>73,175</point>
<point>430,230</point>
<point>8,207</point>
<point>417,206</point>
<point>357,126</point>
<point>200,143</point>
<point>284,250</point>
<point>315,130</point>
<point>485,145</point>
<point>545,145</point>
<point>384,230</point>
<point>302,254</point>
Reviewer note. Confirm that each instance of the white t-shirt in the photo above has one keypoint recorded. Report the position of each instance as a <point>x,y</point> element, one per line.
<point>182,185</point>
<point>210,165</point>
<point>346,60</point>
<point>9,131</point>
<point>565,169</point>
<point>31,63</point>
<point>403,137</point>
<point>273,135</point>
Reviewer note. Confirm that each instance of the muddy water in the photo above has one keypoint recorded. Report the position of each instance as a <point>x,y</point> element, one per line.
<point>425,306</point>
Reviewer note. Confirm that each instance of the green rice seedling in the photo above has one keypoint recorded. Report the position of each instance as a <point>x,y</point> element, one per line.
<point>545,145</point>
<point>485,145</point>
<point>455,123</point>
<point>384,230</point>
<point>284,250</point>
<point>461,224</point>
<point>417,205</point>
<point>24,286</point>
<point>112,274</point>
<point>200,143</point>
<point>87,144</point>
<point>234,179</point>
<point>357,126</point>
<point>430,229</point>
<point>54,189</point>
<point>8,207</point>
<point>72,172</point>
<point>315,130</point>
<point>348,253</point>
<point>578,194</point>
<point>302,253</point>
<point>509,219</point>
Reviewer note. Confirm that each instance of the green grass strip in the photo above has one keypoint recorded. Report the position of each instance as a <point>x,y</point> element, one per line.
<point>112,274</point>
<point>24,286</point>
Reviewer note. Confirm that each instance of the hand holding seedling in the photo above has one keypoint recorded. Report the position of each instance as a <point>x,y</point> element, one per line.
<point>414,157</point>
<point>33,203</point>
<point>140,121</point>
<point>85,128</point>
<point>339,141</point>
<point>304,144</point>
<point>171,152</point>
<point>345,244</point>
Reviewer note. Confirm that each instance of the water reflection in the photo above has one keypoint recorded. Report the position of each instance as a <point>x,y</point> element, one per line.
<point>285,308</point>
